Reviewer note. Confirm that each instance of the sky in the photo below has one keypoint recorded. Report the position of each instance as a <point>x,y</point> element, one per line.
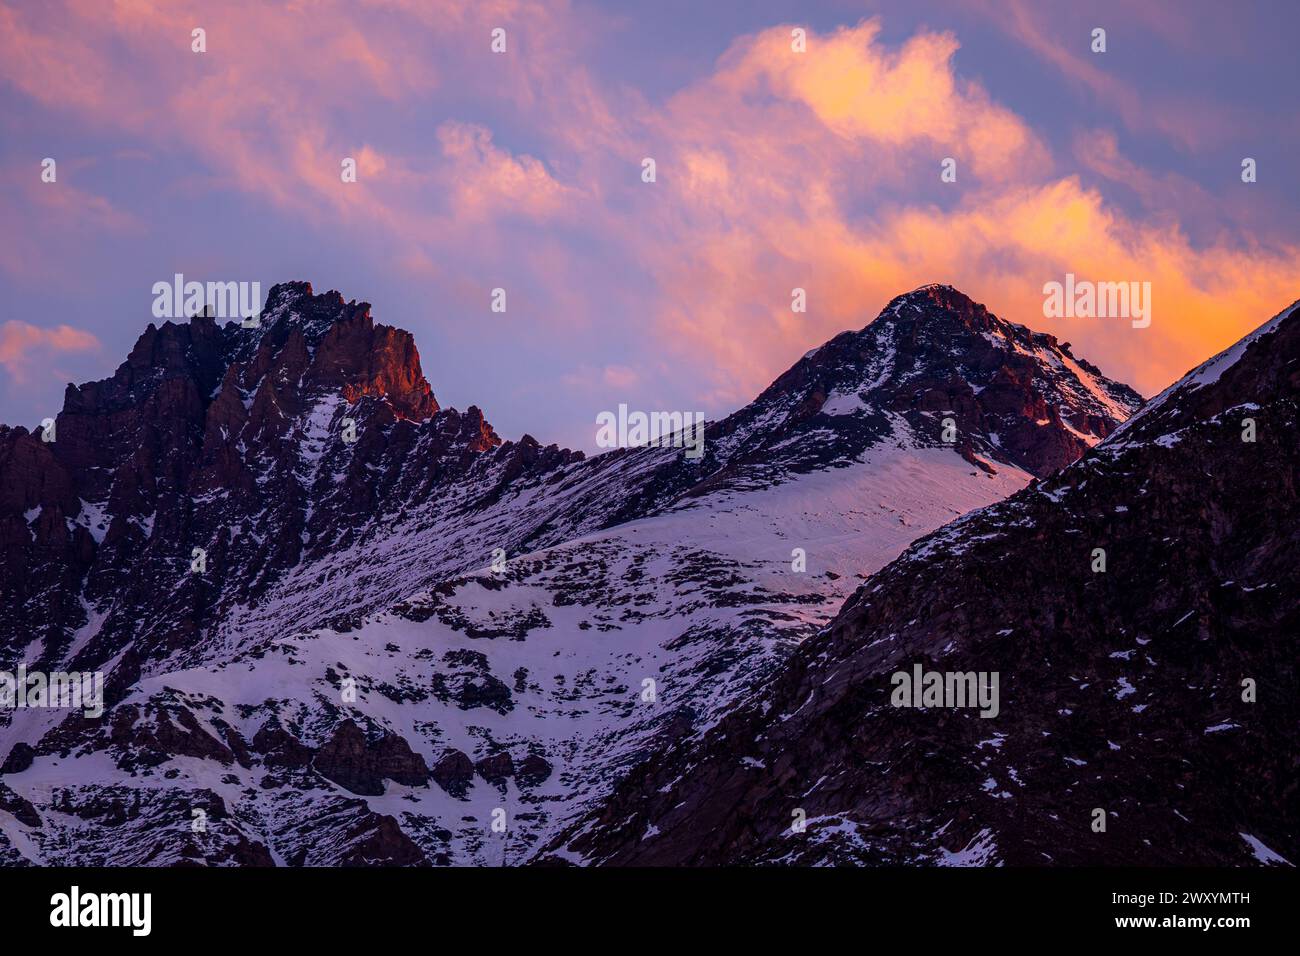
<point>776,168</point>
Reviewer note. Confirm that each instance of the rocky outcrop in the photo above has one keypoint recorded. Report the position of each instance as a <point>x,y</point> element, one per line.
<point>454,772</point>
<point>280,749</point>
<point>19,759</point>
<point>496,768</point>
<point>348,833</point>
<point>21,809</point>
<point>362,766</point>
<point>533,771</point>
<point>202,428</point>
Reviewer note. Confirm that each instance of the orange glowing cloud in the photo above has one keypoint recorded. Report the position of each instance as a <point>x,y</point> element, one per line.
<point>732,287</point>
<point>860,90</point>
<point>775,170</point>
<point>764,198</point>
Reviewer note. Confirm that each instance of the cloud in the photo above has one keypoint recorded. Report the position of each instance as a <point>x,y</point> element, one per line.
<point>1063,42</point>
<point>22,343</point>
<point>487,181</point>
<point>611,376</point>
<point>780,176</point>
<point>863,91</point>
<point>776,169</point>
<point>45,218</point>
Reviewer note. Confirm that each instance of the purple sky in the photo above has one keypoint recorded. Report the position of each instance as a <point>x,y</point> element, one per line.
<point>775,169</point>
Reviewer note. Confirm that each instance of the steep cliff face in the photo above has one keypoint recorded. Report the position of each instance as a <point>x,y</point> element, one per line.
<point>1139,608</point>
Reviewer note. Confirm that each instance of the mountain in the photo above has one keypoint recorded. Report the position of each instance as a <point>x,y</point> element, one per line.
<point>392,638</point>
<point>1015,397</point>
<point>1147,707</point>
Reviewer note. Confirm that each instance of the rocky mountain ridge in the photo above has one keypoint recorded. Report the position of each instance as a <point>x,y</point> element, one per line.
<point>355,676</point>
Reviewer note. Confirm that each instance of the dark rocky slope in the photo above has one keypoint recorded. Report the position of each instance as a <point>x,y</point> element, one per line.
<point>1120,691</point>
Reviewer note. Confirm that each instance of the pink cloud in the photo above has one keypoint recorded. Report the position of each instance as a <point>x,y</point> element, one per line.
<point>776,170</point>
<point>487,181</point>
<point>757,197</point>
<point>22,343</point>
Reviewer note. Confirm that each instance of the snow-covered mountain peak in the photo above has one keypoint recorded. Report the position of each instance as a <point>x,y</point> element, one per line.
<point>934,368</point>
